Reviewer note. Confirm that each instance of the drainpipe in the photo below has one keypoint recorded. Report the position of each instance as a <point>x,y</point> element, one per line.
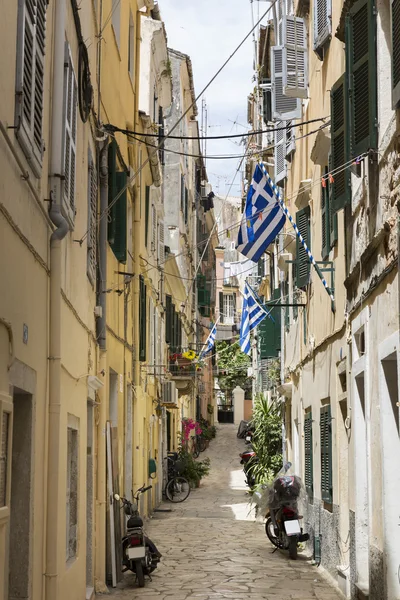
<point>55,436</point>
<point>101,534</point>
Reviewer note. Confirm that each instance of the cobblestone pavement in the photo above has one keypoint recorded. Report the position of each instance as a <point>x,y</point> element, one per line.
<point>214,549</point>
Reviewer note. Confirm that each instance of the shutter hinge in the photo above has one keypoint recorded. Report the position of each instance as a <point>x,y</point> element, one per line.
<point>374,11</point>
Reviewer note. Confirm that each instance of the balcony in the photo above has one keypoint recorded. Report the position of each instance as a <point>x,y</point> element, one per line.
<point>181,365</point>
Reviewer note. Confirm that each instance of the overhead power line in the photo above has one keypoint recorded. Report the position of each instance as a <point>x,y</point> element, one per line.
<point>113,128</point>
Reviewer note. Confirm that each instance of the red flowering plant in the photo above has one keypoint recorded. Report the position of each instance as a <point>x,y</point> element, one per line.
<point>189,425</point>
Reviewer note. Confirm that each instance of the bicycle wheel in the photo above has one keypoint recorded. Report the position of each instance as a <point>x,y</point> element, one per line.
<point>202,444</point>
<point>177,489</point>
<point>195,450</point>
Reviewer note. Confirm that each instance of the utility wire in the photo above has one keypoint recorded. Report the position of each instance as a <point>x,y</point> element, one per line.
<point>113,128</point>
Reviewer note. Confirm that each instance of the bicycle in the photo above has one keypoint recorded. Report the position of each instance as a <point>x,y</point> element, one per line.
<point>177,488</point>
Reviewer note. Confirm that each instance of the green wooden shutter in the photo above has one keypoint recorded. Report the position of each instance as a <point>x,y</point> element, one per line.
<point>325,217</point>
<point>395,53</point>
<point>326,454</point>
<point>302,260</point>
<point>168,319</point>
<point>333,218</point>
<point>340,189</point>
<point>308,455</point>
<point>147,214</point>
<point>120,216</point>
<point>118,209</point>
<point>361,66</point>
<point>221,306</point>
<point>173,329</point>
<point>142,318</point>
<point>270,332</point>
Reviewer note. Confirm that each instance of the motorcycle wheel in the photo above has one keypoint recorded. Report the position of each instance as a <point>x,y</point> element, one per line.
<point>139,572</point>
<point>270,531</point>
<point>293,547</point>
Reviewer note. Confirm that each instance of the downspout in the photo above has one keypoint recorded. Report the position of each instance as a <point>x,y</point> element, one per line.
<point>55,434</point>
<point>101,534</point>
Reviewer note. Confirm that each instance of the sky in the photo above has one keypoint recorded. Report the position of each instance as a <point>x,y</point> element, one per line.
<point>209,31</point>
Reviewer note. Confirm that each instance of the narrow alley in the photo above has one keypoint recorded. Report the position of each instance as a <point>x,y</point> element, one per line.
<point>213,548</point>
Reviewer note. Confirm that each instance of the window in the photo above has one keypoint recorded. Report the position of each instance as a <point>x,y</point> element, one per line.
<point>31,45</point>
<point>92,219</point>
<point>131,48</point>
<point>5,454</point>
<point>302,260</point>
<point>70,111</point>
<point>326,454</point>
<point>72,492</point>
<point>229,309</point>
<point>395,5</point>
<point>290,140</point>
<point>308,454</point>
<point>186,205</point>
<point>116,20</point>
<point>142,318</point>
<point>322,24</point>
<point>117,216</point>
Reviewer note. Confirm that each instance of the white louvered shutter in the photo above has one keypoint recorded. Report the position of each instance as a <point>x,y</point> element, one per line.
<point>279,153</point>
<point>295,57</point>
<point>283,107</point>
<point>92,219</point>
<point>30,80</point>
<point>154,229</point>
<point>290,139</point>
<point>70,112</point>
<point>322,10</point>
<point>161,243</point>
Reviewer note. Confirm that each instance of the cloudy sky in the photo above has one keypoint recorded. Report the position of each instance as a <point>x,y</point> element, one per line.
<point>208,31</point>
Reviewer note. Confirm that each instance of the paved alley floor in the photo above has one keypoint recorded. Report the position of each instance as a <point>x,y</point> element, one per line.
<point>214,549</point>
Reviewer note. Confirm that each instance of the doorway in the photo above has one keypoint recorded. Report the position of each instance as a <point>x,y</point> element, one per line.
<point>21,497</point>
<point>89,498</point>
<point>390,432</point>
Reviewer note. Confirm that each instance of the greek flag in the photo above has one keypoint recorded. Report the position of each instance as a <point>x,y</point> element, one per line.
<point>210,341</point>
<point>262,219</point>
<point>252,314</point>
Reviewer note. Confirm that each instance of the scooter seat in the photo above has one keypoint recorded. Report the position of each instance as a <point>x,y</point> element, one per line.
<point>134,522</point>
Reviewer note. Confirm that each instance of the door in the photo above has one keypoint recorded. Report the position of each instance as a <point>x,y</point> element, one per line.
<point>390,428</point>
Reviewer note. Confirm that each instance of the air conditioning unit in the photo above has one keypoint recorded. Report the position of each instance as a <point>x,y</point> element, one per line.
<point>168,393</point>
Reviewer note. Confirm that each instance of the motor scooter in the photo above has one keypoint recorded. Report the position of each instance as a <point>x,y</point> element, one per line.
<point>139,553</point>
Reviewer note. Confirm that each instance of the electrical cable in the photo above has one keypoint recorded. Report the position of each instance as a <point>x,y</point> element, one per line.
<point>113,128</point>
<point>249,153</point>
<point>181,118</point>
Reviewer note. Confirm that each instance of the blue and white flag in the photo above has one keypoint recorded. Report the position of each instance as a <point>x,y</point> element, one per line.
<point>209,343</point>
<point>252,314</point>
<point>262,219</point>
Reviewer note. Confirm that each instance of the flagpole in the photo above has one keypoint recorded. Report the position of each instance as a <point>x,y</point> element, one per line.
<point>205,343</point>
<point>289,216</point>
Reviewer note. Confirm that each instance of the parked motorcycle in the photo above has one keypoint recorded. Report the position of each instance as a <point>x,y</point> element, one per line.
<point>139,554</point>
<point>248,459</point>
<point>282,517</point>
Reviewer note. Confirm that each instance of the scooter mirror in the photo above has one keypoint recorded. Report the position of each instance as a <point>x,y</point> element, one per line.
<point>116,497</point>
